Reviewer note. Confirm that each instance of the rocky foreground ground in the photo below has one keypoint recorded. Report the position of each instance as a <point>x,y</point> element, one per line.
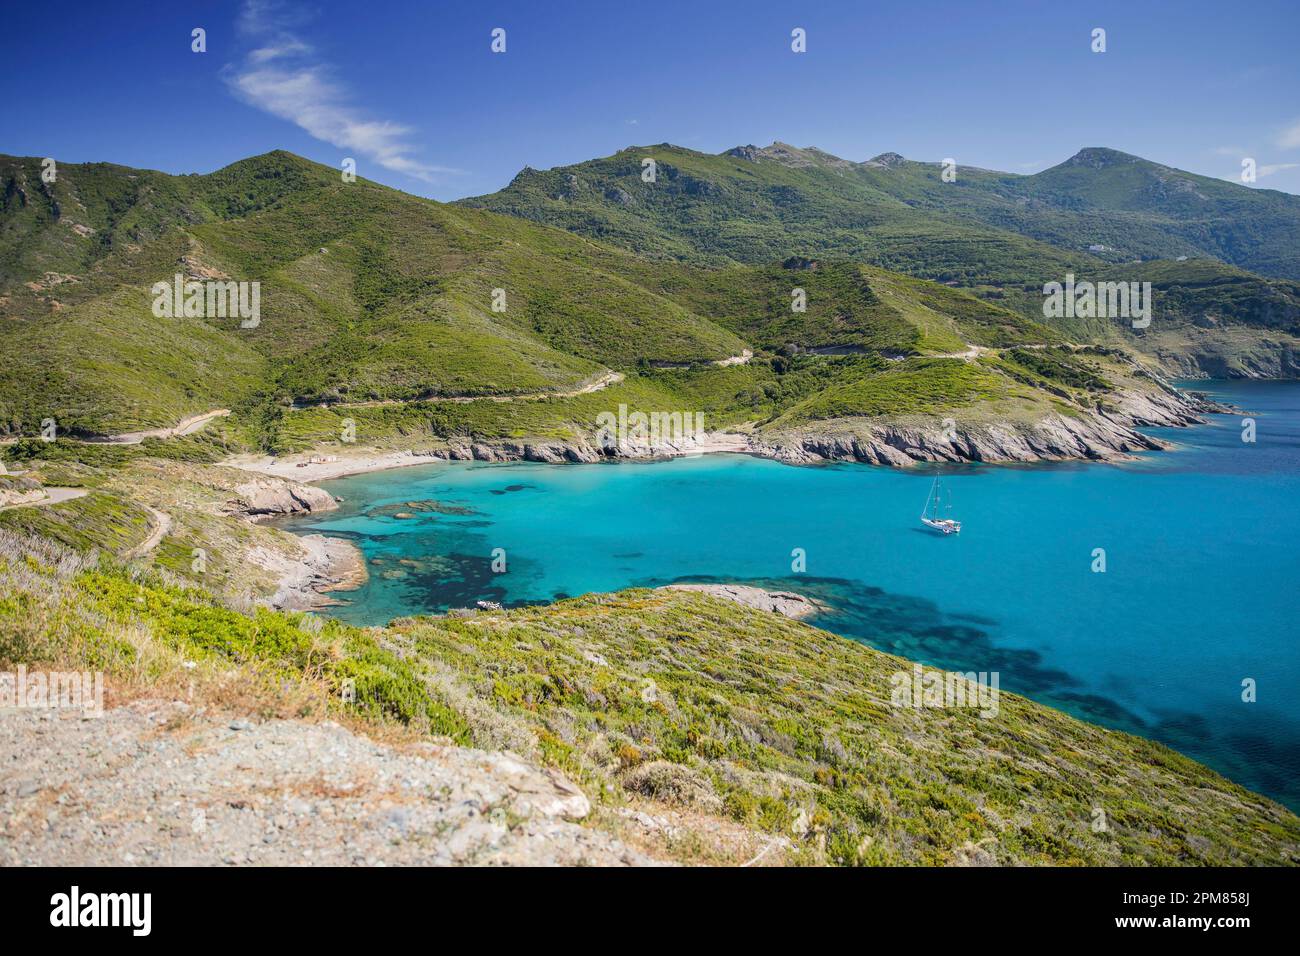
<point>159,783</point>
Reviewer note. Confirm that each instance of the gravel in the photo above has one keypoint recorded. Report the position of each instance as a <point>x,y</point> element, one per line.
<point>158,783</point>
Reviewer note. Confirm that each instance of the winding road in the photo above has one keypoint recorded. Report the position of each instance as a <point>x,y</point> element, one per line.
<point>186,426</point>
<point>602,381</point>
<point>53,496</point>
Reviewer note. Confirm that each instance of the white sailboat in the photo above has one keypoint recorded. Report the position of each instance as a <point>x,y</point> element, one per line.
<point>930,515</point>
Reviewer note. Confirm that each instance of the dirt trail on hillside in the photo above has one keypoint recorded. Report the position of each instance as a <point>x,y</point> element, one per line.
<point>163,783</point>
<point>604,381</point>
<point>970,355</point>
<point>186,426</point>
<point>161,524</point>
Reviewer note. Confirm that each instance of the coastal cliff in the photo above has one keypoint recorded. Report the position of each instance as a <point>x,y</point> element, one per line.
<point>1096,435</point>
<point>1106,433</point>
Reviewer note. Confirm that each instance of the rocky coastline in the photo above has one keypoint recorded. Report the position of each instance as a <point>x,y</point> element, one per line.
<point>1097,435</point>
<point>1101,434</point>
<point>327,565</point>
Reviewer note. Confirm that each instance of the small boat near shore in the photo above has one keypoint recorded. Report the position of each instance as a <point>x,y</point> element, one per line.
<point>937,513</point>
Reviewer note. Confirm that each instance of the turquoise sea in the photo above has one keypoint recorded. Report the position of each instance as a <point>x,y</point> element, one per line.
<point>1202,551</point>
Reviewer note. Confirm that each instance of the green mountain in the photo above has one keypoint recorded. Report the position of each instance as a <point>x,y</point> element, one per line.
<point>366,293</point>
<point>413,315</point>
<point>1101,216</point>
<point>752,205</point>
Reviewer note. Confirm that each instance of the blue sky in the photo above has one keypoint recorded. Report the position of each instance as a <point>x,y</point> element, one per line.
<point>413,92</point>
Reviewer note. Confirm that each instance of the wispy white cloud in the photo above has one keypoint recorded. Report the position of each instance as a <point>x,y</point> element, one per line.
<point>287,48</point>
<point>1272,168</point>
<point>283,76</point>
<point>1289,138</point>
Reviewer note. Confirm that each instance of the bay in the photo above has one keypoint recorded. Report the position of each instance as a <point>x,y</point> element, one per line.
<point>1197,600</point>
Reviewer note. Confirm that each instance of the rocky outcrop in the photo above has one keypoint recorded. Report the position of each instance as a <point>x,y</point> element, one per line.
<point>785,603</point>
<point>10,497</point>
<point>571,188</point>
<point>1100,435</point>
<point>270,497</point>
<point>552,452</point>
<point>325,565</point>
<point>886,160</point>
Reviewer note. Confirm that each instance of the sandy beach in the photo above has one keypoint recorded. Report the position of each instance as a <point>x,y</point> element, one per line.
<point>310,467</point>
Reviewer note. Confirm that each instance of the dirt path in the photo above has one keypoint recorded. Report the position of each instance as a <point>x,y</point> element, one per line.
<point>970,355</point>
<point>53,496</point>
<point>163,783</point>
<point>162,523</point>
<point>603,381</point>
<point>975,351</point>
<point>186,426</point>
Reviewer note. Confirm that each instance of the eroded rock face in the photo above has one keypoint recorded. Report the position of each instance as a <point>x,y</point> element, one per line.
<point>264,497</point>
<point>325,565</point>
<point>18,490</point>
<point>1054,438</point>
<point>1095,435</point>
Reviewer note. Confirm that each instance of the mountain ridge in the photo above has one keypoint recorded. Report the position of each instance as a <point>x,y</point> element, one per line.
<point>1003,236</point>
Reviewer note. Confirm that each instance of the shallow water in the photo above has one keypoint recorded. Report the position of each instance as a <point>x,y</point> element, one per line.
<point>1202,550</point>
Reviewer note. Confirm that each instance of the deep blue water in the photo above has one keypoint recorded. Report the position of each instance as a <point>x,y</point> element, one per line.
<point>1200,589</point>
